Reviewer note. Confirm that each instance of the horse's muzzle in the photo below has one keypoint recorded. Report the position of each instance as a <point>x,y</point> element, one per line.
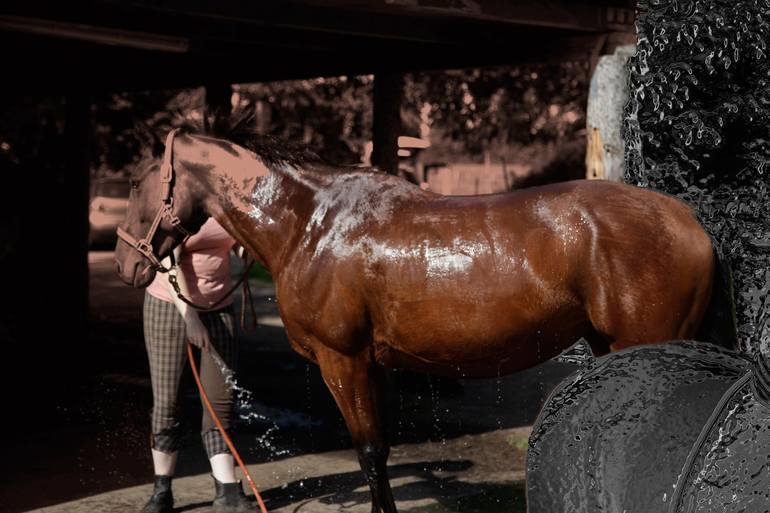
<point>139,278</point>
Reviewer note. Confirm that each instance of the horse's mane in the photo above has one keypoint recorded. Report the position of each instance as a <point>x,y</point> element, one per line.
<point>238,128</point>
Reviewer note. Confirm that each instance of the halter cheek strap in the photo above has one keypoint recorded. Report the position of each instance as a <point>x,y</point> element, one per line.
<point>165,211</point>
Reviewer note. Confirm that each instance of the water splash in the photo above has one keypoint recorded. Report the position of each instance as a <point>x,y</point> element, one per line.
<point>250,412</point>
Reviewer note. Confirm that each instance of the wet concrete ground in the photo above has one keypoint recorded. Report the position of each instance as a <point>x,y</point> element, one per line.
<point>461,474</point>
<point>459,444</point>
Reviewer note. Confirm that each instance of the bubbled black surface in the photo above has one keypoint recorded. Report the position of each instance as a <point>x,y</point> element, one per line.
<point>731,473</point>
<point>698,126</point>
<point>614,436</point>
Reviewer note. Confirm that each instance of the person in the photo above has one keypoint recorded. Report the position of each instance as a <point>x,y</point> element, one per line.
<point>203,275</point>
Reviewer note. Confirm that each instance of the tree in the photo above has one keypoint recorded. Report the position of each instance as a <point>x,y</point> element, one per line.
<point>495,107</point>
<point>331,115</point>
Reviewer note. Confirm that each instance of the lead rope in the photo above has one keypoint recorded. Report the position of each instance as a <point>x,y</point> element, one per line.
<point>221,428</point>
<point>247,292</point>
<point>175,284</point>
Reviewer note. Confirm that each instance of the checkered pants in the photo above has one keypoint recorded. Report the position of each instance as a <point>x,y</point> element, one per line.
<point>164,337</point>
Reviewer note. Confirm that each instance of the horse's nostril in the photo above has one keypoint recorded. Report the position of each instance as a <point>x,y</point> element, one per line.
<point>117,266</point>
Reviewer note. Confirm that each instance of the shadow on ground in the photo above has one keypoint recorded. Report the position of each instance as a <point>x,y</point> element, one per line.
<point>343,488</point>
<point>98,439</point>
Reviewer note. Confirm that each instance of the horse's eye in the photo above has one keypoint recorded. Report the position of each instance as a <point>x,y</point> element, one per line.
<point>134,184</point>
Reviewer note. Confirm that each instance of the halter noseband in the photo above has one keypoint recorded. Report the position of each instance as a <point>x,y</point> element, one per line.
<point>165,211</point>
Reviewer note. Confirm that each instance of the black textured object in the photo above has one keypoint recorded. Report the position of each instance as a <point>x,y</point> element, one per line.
<point>698,126</point>
<point>672,428</point>
<point>681,428</point>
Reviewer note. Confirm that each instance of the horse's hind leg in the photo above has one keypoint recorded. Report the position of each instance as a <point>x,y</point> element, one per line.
<point>353,381</point>
<point>639,323</point>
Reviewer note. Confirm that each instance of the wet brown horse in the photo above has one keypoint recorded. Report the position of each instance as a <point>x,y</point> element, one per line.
<point>372,272</point>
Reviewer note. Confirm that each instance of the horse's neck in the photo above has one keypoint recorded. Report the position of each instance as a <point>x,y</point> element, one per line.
<point>236,188</point>
<point>266,215</point>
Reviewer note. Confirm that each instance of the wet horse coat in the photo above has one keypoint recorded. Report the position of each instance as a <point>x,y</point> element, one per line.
<point>372,272</point>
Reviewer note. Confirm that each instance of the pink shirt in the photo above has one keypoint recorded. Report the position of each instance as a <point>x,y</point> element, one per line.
<point>205,262</point>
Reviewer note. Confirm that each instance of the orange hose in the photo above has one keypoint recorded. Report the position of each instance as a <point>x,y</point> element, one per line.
<point>222,429</point>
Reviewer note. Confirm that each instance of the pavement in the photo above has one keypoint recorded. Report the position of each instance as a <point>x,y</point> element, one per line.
<point>428,477</point>
<point>458,445</point>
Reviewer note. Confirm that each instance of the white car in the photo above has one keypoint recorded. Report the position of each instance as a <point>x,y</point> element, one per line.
<point>109,202</point>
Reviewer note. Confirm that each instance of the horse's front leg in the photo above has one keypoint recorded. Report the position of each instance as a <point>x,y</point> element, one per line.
<point>354,381</point>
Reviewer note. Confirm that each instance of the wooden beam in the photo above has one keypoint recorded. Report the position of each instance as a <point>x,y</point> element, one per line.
<point>111,36</point>
<point>76,177</point>
<point>207,26</point>
<point>616,39</point>
<point>386,125</point>
<point>128,69</point>
<point>334,15</point>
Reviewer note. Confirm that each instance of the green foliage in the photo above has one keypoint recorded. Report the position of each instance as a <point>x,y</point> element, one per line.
<point>126,125</point>
<point>477,110</point>
<point>470,111</point>
<point>698,126</point>
<point>518,441</point>
<point>484,108</point>
<point>259,273</point>
<point>331,115</point>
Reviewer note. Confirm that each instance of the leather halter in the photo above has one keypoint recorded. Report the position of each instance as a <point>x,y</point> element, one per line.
<point>165,211</point>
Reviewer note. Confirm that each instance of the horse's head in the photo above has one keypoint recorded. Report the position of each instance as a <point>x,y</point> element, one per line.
<point>163,208</point>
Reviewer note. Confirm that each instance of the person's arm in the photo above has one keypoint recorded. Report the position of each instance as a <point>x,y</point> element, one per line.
<point>196,331</point>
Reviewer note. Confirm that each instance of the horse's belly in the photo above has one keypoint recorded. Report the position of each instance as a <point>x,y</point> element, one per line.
<point>475,340</point>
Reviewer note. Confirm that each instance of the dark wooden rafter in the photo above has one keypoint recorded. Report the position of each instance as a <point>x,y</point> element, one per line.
<point>149,44</point>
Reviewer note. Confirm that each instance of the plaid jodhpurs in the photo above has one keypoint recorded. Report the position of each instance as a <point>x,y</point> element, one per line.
<point>164,337</point>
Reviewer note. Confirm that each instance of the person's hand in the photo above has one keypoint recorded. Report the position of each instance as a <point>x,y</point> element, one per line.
<point>197,333</point>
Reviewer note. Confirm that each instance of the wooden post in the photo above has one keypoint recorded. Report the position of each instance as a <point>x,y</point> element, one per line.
<point>263,117</point>
<point>607,97</point>
<point>77,175</point>
<point>388,90</point>
<point>219,103</point>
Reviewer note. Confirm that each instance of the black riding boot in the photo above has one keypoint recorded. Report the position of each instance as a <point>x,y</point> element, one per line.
<point>231,499</point>
<point>162,500</point>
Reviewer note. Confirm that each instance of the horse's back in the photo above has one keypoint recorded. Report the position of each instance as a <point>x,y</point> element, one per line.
<point>614,435</point>
<point>451,283</point>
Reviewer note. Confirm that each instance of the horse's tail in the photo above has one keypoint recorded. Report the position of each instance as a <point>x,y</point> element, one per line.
<point>719,324</point>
